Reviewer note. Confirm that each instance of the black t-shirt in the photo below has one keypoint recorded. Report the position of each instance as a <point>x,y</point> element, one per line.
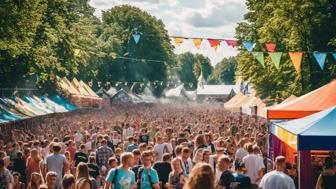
<point>144,138</point>
<point>80,157</point>
<point>94,170</point>
<point>226,179</point>
<point>135,169</point>
<point>163,169</point>
<point>19,165</point>
<point>242,181</point>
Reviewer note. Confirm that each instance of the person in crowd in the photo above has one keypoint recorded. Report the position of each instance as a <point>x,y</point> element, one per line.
<point>19,166</point>
<point>68,181</point>
<point>241,152</point>
<point>103,153</point>
<point>144,137</point>
<point>277,179</point>
<point>160,147</point>
<point>56,163</point>
<point>327,178</point>
<point>147,177</point>
<point>200,142</point>
<point>255,166</point>
<point>132,144</point>
<point>224,176</point>
<point>83,180</point>
<point>80,155</point>
<point>5,176</point>
<point>201,176</point>
<point>51,180</point>
<point>241,180</point>
<point>68,163</point>
<point>176,179</point>
<point>112,163</point>
<point>163,169</point>
<point>33,163</point>
<point>185,160</point>
<point>208,141</point>
<point>121,177</point>
<point>17,183</point>
<point>36,181</point>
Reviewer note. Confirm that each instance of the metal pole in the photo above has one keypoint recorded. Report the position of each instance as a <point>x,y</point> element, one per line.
<point>299,168</point>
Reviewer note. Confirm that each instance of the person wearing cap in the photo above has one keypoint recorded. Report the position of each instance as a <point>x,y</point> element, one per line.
<point>277,179</point>
<point>241,180</point>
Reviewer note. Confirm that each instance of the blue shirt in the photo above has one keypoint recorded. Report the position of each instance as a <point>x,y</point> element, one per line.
<point>145,182</point>
<point>124,179</point>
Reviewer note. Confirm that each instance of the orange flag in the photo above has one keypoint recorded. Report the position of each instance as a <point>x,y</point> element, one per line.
<point>197,42</point>
<point>296,58</point>
<point>178,40</point>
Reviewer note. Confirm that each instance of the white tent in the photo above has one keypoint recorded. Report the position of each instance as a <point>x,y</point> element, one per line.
<point>112,91</point>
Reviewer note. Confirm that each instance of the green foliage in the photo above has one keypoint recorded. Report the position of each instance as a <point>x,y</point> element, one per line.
<point>293,26</point>
<point>224,72</point>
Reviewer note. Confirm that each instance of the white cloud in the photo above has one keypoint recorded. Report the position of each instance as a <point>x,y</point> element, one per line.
<point>213,19</point>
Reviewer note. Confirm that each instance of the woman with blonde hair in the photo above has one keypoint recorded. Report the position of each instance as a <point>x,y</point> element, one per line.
<point>201,176</point>
<point>35,181</point>
<point>82,177</point>
<point>176,179</point>
<point>68,162</point>
<point>33,163</point>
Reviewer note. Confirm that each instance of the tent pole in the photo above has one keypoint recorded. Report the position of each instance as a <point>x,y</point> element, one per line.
<point>299,168</point>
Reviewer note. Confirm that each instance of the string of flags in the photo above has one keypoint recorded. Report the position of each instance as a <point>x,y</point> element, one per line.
<point>142,84</point>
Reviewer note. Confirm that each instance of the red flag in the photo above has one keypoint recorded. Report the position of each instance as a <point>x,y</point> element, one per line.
<point>214,43</point>
<point>232,43</point>
<point>270,47</point>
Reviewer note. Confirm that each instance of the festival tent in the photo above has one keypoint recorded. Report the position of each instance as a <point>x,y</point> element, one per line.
<point>112,91</point>
<point>236,107</point>
<point>234,99</point>
<point>263,111</point>
<point>249,107</point>
<point>314,132</point>
<point>315,101</point>
<point>63,102</point>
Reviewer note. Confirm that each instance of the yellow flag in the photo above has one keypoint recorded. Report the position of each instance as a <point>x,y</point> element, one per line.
<point>114,55</point>
<point>178,40</point>
<point>76,52</point>
<point>296,58</point>
<point>197,42</point>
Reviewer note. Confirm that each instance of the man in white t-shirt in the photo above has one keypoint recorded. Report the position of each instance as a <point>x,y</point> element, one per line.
<point>254,164</point>
<point>128,131</point>
<point>160,147</point>
<point>78,138</point>
<point>277,179</point>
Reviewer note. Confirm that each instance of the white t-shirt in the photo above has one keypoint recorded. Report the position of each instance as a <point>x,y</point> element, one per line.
<point>276,180</point>
<point>240,154</point>
<point>88,145</point>
<point>253,163</point>
<point>78,137</point>
<point>186,166</point>
<point>218,175</point>
<point>128,132</point>
<point>159,148</point>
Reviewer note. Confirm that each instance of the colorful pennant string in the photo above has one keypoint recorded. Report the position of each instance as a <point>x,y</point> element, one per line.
<point>248,45</point>
<point>136,38</point>
<point>260,57</point>
<point>178,40</point>
<point>276,57</point>
<point>320,58</point>
<point>270,47</point>
<point>296,58</point>
<point>197,42</point>
<point>231,43</point>
<point>214,43</point>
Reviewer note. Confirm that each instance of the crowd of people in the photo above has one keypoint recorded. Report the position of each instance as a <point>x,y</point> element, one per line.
<point>144,147</point>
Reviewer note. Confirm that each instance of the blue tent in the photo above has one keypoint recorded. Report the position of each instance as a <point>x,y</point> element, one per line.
<point>63,102</point>
<point>314,132</point>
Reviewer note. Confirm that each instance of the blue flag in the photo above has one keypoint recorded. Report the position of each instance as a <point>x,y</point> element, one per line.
<point>320,58</point>
<point>136,38</point>
<point>249,45</point>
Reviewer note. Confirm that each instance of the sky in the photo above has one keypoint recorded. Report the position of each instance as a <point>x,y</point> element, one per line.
<point>191,18</point>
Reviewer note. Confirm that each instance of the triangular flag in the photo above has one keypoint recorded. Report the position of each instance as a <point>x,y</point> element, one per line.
<point>231,43</point>
<point>214,43</point>
<point>276,57</point>
<point>334,55</point>
<point>136,38</point>
<point>114,55</point>
<point>249,45</point>
<point>197,42</point>
<point>76,52</point>
<point>296,58</point>
<point>260,57</point>
<point>320,58</point>
<point>270,47</point>
<point>178,40</point>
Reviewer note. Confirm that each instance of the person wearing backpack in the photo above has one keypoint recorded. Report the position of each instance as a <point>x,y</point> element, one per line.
<point>147,176</point>
<point>226,177</point>
<point>121,177</point>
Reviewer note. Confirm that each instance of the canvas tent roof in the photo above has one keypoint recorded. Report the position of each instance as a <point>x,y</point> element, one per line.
<point>175,92</point>
<point>217,89</point>
<point>314,132</point>
<point>112,91</point>
<point>234,99</point>
<point>315,101</point>
<point>263,111</point>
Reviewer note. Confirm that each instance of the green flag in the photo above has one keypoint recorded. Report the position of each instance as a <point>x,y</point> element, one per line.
<point>260,57</point>
<point>276,57</point>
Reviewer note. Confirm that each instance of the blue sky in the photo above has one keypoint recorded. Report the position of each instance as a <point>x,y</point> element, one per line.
<point>191,18</point>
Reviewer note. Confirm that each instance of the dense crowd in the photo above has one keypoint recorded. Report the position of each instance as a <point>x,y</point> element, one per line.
<point>144,147</point>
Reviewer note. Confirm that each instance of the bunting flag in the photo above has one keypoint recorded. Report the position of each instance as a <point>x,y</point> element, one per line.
<point>334,55</point>
<point>76,52</point>
<point>320,58</point>
<point>197,42</point>
<point>296,58</point>
<point>249,45</point>
<point>276,57</point>
<point>231,43</point>
<point>178,40</point>
<point>270,47</point>
<point>214,43</point>
<point>136,38</point>
<point>260,57</point>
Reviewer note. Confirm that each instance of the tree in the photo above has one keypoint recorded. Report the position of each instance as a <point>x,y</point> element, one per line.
<point>293,26</point>
<point>224,72</point>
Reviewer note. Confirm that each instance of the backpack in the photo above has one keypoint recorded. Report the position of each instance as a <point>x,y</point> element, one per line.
<point>115,176</point>
<point>139,177</point>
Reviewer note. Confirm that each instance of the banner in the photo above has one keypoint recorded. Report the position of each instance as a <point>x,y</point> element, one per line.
<point>270,47</point>
<point>197,42</point>
<point>276,57</point>
<point>248,45</point>
<point>296,58</point>
<point>136,38</point>
<point>320,58</point>
<point>214,43</point>
<point>178,40</point>
<point>260,57</point>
